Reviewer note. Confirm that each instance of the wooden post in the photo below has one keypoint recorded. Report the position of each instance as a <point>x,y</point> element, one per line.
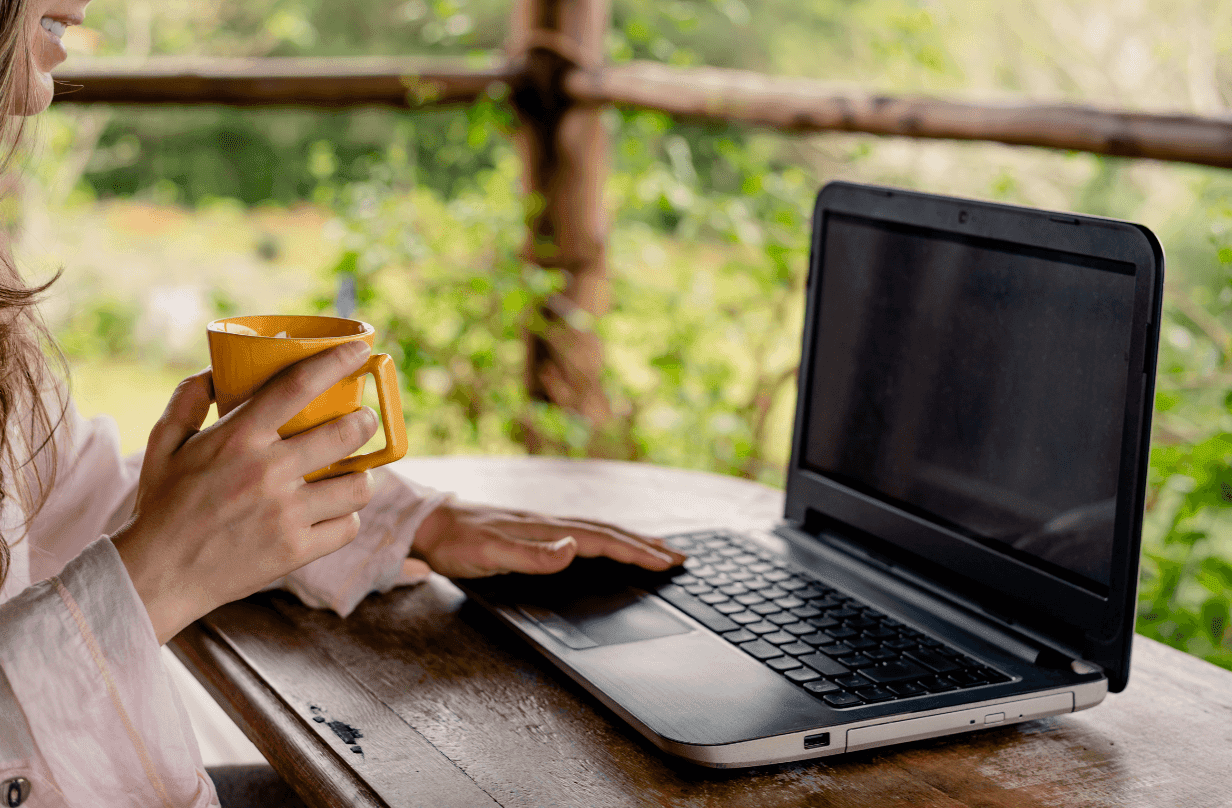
<point>564,151</point>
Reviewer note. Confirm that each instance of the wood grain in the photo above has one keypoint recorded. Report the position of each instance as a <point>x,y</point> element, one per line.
<point>564,150</point>
<point>528,736</point>
<point>411,83</point>
<point>351,736</point>
<point>803,105</point>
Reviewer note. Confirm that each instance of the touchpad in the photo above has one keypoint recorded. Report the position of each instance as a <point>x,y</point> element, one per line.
<point>605,619</point>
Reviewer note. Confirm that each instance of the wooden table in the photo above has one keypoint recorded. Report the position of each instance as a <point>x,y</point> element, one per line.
<point>448,708</point>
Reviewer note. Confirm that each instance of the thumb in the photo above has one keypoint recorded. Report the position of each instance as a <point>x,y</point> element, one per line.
<point>184,415</point>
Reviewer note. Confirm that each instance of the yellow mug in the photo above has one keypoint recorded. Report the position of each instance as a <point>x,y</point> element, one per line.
<point>246,352</point>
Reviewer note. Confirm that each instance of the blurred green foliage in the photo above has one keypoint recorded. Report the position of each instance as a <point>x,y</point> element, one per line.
<point>708,247</point>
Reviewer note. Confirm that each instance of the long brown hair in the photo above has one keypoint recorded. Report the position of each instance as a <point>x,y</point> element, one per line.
<point>28,392</point>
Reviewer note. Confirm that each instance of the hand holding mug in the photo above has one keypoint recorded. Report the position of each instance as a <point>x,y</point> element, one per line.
<point>224,511</point>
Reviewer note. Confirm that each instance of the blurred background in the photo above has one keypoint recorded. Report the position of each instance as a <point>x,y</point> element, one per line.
<point>165,218</point>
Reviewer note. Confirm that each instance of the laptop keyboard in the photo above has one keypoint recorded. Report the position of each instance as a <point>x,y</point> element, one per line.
<point>833,645</point>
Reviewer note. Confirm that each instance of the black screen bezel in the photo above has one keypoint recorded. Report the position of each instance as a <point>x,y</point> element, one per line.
<point>1096,627</point>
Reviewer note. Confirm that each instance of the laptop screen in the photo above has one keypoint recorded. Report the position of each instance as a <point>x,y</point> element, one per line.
<point>977,384</point>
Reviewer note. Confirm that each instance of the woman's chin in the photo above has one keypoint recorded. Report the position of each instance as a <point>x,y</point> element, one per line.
<point>37,97</point>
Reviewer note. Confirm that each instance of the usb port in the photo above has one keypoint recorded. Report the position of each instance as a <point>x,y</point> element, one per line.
<point>817,741</point>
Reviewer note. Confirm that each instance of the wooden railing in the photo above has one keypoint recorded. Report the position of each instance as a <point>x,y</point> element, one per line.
<point>557,81</point>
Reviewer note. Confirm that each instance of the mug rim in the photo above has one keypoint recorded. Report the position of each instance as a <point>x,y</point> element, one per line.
<point>238,319</point>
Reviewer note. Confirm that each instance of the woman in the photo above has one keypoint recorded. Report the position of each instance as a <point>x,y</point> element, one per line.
<point>104,558</point>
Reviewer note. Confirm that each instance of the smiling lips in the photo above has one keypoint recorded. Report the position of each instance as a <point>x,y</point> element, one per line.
<point>55,28</point>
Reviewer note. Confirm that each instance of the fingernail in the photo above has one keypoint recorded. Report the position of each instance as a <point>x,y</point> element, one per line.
<point>358,349</point>
<point>371,418</point>
<point>559,545</point>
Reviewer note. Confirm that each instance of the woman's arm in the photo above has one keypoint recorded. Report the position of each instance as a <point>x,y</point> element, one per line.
<point>88,713</point>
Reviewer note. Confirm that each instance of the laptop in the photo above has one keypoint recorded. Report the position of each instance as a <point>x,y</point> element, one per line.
<point>959,548</point>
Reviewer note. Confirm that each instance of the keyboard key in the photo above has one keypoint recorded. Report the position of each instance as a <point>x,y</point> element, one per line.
<point>938,684</point>
<point>796,649</point>
<point>880,654</point>
<point>756,584</point>
<point>729,551</point>
<point>779,638</point>
<point>823,622</point>
<point>782,618</point>
<point>762,627</point>
<point>824,665</point>
<point>728,608</point>
<point>749,598</point>
<point>700,612</point>
<point>842,633</point>
<point>825,603</point>
<point>773,593</point>
<point>788,602</point>
<point>874,694</point>
<point>731,589</point>
<point>745,559</point>
<point>897,671</point>
<point>822,687</point>
<point>861,643</point>
<point>760,567</point>
<point>739,635</point>
<point>881,633</point>
<point>816,638</point>
<point>799,629</point>
<point>845,613</point>
<point>727,567</point>
<point>744,618</point>
<point>766,608</point>
<point>804,612</point>
<point>783,663</point>
<point>684,579</point>
<point>966,678</point>
<point>854,680</point>
<point>855,661</point>
<point>759,649</point>
<point>740,576</point>
<point>901,644</point>
<point>907,689</point>
<point>697,589</point>
<point>932,660</point>
<point>811,591</point>
<point>802,675</point>
<point>860,623</point>
<point>842,700</point>
<point>837,649</point>
<point>792,584</point>
<point>712,598</point>
<point>776,575</point>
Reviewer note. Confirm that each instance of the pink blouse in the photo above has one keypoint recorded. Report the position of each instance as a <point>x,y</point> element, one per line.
<point>88,714</point>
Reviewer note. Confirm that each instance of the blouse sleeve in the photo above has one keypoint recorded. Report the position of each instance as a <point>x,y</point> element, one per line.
<point>376,560</point>
<point>88,714</point>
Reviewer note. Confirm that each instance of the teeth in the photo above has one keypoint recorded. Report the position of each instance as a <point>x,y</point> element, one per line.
<point>53,27</point>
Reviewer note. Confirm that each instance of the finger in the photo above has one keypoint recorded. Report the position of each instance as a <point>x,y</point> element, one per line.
<point>337,496</point>
<point>640,538</point>
<point>332,534</point>
<point>184,415</point>
<point>594,539</point>
<point>505,553</point>
<point>329,442</point>
<point>283,396</point>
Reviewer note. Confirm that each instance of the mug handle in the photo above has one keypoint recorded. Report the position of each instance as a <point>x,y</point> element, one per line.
<point>390,400</point>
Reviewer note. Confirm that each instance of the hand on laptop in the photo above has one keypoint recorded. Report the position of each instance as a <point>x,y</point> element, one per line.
<point>462,540</point>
